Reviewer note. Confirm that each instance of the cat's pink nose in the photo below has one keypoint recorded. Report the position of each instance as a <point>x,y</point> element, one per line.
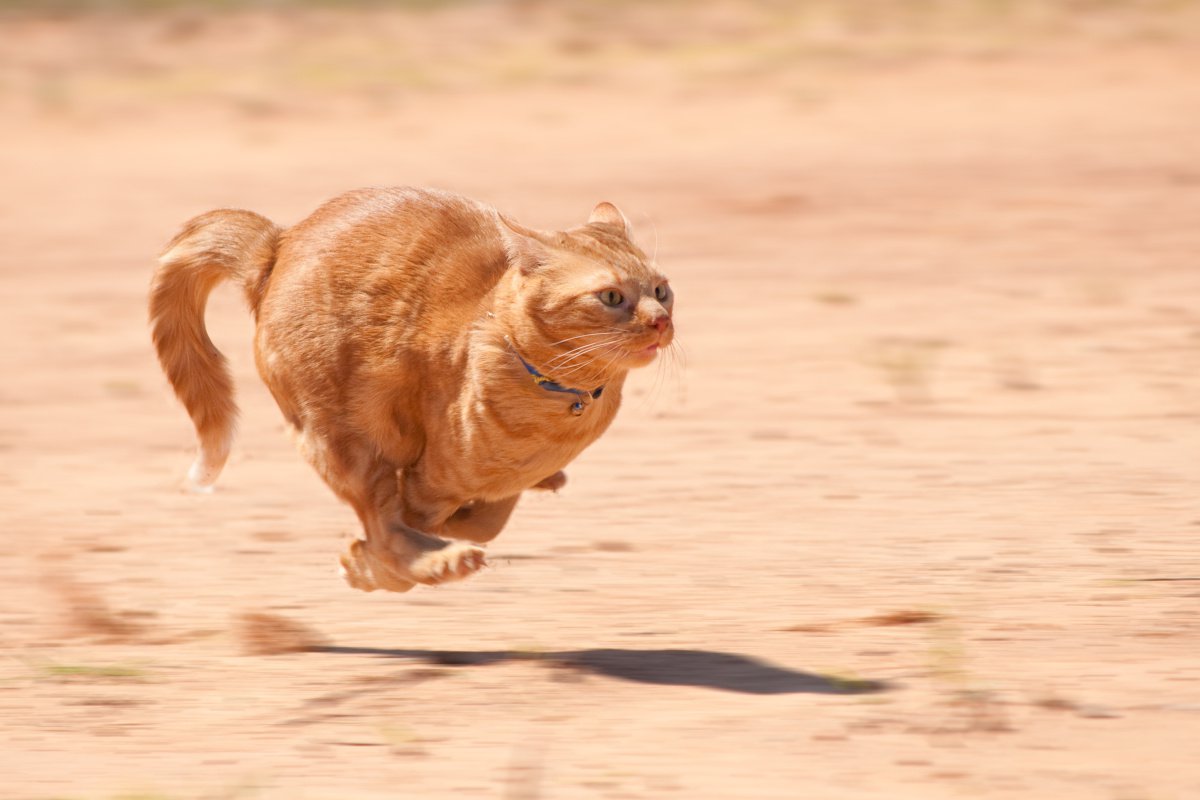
<point>661,323</point>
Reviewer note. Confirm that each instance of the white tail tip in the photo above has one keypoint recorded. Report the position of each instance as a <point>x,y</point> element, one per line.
<point>202,476</point>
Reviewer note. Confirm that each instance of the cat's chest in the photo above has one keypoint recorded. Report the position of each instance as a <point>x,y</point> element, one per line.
<point>510,449</point>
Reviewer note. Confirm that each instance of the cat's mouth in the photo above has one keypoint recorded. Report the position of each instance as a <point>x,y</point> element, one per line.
<point>644,355</point>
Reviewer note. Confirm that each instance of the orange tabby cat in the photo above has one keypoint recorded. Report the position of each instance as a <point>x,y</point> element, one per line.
<point>434,358</point>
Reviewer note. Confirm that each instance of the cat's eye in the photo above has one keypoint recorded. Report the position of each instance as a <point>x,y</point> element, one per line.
<point>611,298</point>
<point>661,293</point>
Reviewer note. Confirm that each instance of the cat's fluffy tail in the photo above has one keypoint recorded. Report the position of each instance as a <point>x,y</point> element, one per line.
<point>214,247</point>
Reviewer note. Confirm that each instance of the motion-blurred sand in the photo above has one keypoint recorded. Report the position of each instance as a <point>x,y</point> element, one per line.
<point>938,289</point>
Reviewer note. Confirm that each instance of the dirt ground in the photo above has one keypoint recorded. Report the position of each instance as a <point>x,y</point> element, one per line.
<point>918,519</point>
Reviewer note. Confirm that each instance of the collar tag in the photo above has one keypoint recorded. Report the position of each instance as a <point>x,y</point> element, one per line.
<point>580,405</point>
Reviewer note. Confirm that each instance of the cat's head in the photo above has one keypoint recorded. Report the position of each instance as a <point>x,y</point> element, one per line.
<point>588,302</point>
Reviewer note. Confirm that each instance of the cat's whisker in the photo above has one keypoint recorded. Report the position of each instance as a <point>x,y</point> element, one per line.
<point>656,384</point>
<point>679,367</point>
<point>668,369</point>
<point>581,350</point>
<point>577,366</point>
<point>581,359</point>
<point>676,347</point>
<point>580,336</point>
<point>607,332</point>
<point>574,353</point>
<point>580,368</point>
<point>598,354</point>
<point>608,362</point>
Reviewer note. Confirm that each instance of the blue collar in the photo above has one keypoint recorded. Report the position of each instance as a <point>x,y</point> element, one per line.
<point>584,397</point>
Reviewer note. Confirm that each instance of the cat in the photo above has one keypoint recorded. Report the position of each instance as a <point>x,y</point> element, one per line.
<point>433,357</point>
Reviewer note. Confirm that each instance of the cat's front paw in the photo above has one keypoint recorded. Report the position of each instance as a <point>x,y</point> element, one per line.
<point>552,484</point>
<point>451,563</point>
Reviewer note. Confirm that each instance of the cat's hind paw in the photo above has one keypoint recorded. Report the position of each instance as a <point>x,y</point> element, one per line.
<point>363,571</point>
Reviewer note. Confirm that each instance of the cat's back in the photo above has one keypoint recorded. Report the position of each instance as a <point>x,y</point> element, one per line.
<point>376,249</point>
<point>367,312</point>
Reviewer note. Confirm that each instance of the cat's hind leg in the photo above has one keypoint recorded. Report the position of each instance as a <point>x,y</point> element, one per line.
<point>390,555</point>
<point>394,556</point>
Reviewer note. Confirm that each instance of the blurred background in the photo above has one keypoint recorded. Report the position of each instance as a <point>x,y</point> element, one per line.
<point>916,518</point>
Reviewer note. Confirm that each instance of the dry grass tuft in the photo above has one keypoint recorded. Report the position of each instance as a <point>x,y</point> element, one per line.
<point>87,614</point>
<point>262,634</point>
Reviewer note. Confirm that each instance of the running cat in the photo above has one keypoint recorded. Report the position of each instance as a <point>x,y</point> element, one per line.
<point>434,358</point>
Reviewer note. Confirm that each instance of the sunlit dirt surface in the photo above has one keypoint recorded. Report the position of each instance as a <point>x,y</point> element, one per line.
<point>917,519</point>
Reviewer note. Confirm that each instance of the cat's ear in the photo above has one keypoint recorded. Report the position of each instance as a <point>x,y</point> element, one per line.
<point>605,213</point>
<point>526,247</point>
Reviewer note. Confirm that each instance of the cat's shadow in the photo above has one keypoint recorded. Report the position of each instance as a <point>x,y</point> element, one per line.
<point>703,668</point>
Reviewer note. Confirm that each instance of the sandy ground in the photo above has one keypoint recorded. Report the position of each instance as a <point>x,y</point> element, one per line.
<point>917,520</point>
